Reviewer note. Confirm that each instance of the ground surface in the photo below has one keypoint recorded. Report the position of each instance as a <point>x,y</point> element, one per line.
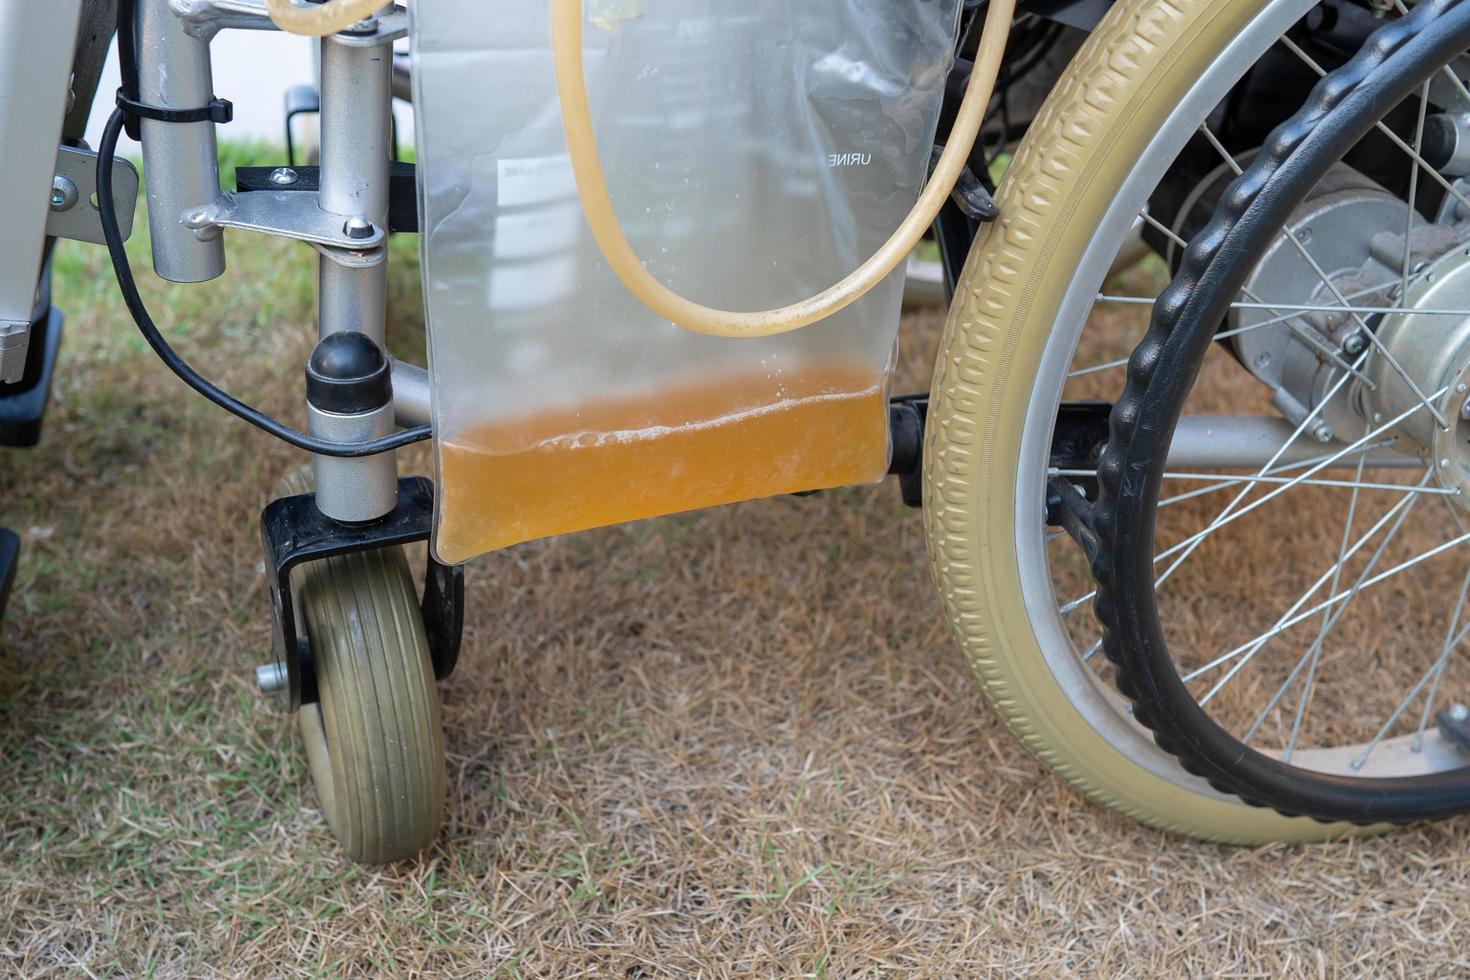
<point>737,742</point>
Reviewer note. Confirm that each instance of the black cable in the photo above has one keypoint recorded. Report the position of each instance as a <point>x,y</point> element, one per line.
<point>122,269</point>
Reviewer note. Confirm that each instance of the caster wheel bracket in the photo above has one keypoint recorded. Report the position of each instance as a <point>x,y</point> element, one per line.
<point>293,531</point>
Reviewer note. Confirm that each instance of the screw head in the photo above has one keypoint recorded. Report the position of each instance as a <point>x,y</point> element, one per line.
<point>284,176</point>
<point>358,228</point>
<point>1304,236</point>
<point>1465,410</point>
<point>63,193</point>
<point>1458,712</point>
<point>1263,360</point>
<point>1322,432</point>
<point>1355,344</point>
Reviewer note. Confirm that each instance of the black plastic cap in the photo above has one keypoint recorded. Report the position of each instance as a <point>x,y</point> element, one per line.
<point>348,375</point>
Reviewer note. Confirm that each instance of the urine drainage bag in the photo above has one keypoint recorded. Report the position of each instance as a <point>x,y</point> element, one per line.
<point>757,151</point>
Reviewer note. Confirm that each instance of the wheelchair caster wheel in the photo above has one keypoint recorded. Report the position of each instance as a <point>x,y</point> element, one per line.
<point>374,740</point>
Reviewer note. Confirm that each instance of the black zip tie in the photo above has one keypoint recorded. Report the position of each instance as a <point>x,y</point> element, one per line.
<point>217,111</point>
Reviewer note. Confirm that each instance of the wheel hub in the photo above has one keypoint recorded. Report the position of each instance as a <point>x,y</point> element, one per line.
<point>1433,349</point>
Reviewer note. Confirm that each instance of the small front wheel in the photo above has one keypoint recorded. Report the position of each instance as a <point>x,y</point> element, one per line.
<point>374,740</point>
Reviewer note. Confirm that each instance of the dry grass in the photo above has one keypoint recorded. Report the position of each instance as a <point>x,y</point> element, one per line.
<point>736,742</point>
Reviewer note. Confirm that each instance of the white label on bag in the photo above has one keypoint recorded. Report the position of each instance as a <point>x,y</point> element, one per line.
<point>534,180</point>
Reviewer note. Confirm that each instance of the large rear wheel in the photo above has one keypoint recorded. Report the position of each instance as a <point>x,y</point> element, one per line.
<point>1116,149</point>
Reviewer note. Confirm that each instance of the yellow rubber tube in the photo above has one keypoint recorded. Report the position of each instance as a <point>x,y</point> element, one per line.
<point>571,89</point>
<point>321,19</point>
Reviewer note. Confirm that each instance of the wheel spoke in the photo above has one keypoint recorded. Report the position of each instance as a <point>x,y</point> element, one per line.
<point>1341,596</point>
<point>1438,665</point>
<point>1307,337</point>
<point>1315,463</point>
<point>1393,137</point>
<point>1295,308</point>
<point>1315,653</point>
<point>1449,644</point>
<point>1394,515</point>
<point>1413,199</point>
<point>1354,485</point>
<point>1230,515</point>
<point>1307,257</point>
<point>1284,318</point>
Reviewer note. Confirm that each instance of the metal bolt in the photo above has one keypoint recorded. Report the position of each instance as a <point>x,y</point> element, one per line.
<point>1355,344</point>
<point>1321,431</point>
<point>1465,410</point>
<point>63,194</point>
<point>1444,464</point>
<point>1304,236</point>
<point>358,228</point>
<point>270,678</point>
<point>284,176</point>
<point>1458,712</point>
<point>1263,360</point>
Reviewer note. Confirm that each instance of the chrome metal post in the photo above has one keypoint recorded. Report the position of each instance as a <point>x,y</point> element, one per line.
<point>355,122</point>
<point>179,158</point>
<point>356,100</point>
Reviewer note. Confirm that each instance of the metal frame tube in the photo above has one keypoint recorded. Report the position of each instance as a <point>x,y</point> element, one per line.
<point>180,158</point>
<point>1207,442</point>
<point>36,46</point>
<point>356,99</point>
<point>411,399</point>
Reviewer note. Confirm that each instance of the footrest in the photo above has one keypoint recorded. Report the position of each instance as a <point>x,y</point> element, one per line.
<point>294,531</point>
<point>23,404</point>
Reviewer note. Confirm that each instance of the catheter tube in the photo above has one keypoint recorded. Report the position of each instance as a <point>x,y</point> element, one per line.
<point>321,19</point>
<point>571,88</point>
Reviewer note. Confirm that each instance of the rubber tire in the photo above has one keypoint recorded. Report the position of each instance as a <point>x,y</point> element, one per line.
<point>375,741</point>
<point>1113,99</point>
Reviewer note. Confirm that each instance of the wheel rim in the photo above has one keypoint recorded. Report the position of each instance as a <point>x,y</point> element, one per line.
<point>1345,777</point>
<point>1104,709</point>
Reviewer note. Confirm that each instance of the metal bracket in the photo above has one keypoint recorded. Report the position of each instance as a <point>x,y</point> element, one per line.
<point>293,531</point>
<point>1079,436</point>
<point>907,415</point>
<point>286,214</point>
<point>73,215</point>
<point>375,31</point>
<point>206,18</point>
<point>403,201</point>
<point>1068,509</point>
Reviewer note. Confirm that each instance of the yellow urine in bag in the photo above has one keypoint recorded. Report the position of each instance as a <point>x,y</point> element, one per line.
<point>724,439</point>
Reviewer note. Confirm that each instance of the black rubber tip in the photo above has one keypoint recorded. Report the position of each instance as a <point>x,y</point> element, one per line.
<point>348,375</point>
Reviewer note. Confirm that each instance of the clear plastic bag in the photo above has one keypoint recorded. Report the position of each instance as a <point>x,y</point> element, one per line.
<point>756,152</point>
